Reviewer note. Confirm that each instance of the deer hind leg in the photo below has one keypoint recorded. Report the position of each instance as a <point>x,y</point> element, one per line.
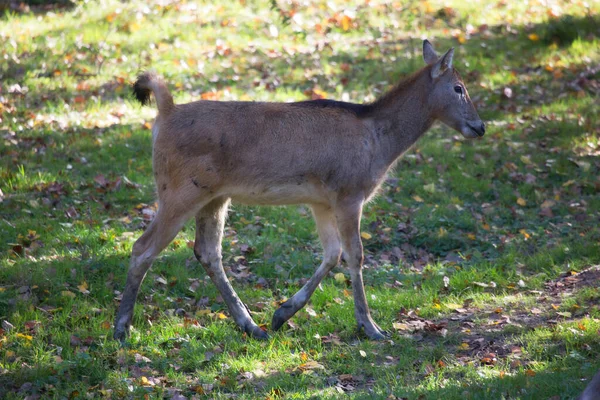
<point>210,221</point>
<point>348,218</point>
<point>328,233</point>
<point>162,230</point>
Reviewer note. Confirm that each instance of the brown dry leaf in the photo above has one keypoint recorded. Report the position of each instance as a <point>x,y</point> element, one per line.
<point>310,365</point>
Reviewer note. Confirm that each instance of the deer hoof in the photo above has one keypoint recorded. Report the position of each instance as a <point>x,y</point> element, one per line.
<point>120,334</point>
<point>255,331</point>
<point>374,332</point>
<point>281,315</point>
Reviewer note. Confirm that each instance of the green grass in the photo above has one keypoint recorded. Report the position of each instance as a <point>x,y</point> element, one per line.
<point>505,215</point>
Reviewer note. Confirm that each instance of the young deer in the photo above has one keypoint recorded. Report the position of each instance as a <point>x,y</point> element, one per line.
<point>330,155</point>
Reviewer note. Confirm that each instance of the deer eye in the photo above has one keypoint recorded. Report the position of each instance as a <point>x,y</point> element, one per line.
<point>458,89</point>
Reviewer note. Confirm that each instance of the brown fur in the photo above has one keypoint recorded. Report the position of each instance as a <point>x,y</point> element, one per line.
<point>330,155</point>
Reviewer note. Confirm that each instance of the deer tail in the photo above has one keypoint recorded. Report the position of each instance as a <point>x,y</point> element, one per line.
<point>148,82</point>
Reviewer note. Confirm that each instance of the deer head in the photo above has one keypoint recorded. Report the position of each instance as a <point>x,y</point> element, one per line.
<point>449,99</point>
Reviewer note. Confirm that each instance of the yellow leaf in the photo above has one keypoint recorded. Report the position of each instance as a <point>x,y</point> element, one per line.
<point>524,233</point>
<point>417,199</point>
<point>340,277</point>
<point>365,235</point>
<point>471,236</point>
<point>221,316</point>
<point>144,381</point>
<point>83,288</point>
<point>347,293</point>
<point>26,337</point>
<point>526,160</point>
<point>346,22</point>
<point>68,293</point>
<point>134,27</point>
<point>464,346</point>
<point>533,37</point>
<point>521,201</point>
<point>399,326</point>
<point>548,204</point>
<point>303,357</point>
<point>429,188</point>
<point>362,353</point>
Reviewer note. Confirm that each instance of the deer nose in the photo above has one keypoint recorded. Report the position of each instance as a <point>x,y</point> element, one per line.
<point>481,130</point>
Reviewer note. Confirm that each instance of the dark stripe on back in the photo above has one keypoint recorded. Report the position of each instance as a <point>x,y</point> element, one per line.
<point>359,110</point>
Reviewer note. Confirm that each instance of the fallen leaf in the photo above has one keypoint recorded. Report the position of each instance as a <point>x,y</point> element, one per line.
<point>340,277</point>
<point>310,365</point>
<point>429,188</point>
<point>221,316</point>
<point>83,288</point>
<point>401,326</point>
<point>26,337</point>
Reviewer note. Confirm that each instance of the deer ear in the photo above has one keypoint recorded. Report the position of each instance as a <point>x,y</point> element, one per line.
<point>429,54</point>
<point>443,64</point>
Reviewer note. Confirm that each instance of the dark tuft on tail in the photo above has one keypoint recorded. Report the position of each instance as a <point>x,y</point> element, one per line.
<point>141,88</point>
<point>149,82</point>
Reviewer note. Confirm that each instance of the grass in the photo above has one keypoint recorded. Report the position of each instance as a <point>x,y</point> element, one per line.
<point>498,219</point>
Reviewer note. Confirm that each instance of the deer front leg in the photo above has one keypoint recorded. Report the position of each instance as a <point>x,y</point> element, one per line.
<point>328,233</point>
<point>207,249</point>
<point>348,218</point>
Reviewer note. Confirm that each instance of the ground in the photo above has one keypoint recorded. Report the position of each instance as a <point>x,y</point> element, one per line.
<point>481,256</point>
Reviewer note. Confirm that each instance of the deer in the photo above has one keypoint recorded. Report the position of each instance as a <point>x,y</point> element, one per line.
<point>592,391</point>
<point>330,155</point>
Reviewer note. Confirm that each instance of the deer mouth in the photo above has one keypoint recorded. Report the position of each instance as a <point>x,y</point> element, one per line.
<point>478,128</point>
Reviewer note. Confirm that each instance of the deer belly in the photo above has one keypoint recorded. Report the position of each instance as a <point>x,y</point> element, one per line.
<point>289,193</point>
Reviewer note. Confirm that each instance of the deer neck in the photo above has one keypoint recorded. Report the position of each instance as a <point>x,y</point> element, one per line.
<point>403,115</point>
